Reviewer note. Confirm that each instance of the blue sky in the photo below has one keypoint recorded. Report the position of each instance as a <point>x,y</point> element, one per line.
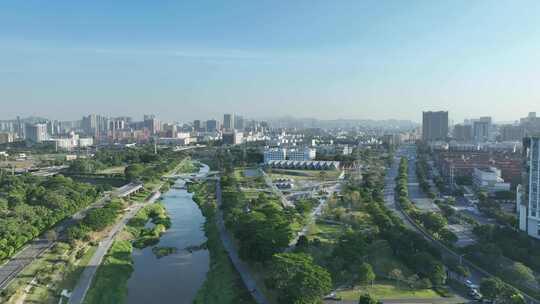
<point>327,59</point>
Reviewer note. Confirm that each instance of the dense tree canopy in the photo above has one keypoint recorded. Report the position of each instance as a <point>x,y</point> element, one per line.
<point>30,205</point>
<point>263,232</point>
<point>297,279</point>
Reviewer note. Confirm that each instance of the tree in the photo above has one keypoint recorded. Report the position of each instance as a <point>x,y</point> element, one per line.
<point>351,247</point>
<point>262,233</point>
<point>517,299</point>
<point>366,274</point>
<point>491,288</point>
<point>366,298</point>
<point>134,172</point>
<point>519,273</point>
<point>433,221</point>
<point>297,279</point>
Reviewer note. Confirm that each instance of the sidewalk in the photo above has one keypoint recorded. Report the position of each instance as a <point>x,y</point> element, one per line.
<point>228,244</point>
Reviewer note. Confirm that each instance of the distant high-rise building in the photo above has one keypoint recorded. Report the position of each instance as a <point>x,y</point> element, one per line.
<point>153,124</point>
<point>36,132</point>
<point>211,125</point>
<point>117,124</point>
<point>511,133</point>
<point>20,128</point>
<point>434,125</point>
<point>197,125</point>
<point>53,127</point>
<point>481,129</point>
<point>148,117</point>
<point>528,194</point>
<point>95,125</point>
<point>238,122</point>
<point>228,122</point>
<point>462,132</point>
<point>530,124</point>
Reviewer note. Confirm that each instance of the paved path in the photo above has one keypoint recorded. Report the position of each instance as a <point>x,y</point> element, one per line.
<point>10,269</point>
<point>284,201</point>
<point>228,243</point>
<point>315,214</point>
<point>85,281</point>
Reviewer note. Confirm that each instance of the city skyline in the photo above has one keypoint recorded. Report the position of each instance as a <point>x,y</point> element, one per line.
<point>68,59</point>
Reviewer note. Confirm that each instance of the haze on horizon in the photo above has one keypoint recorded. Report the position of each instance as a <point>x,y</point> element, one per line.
<point>349,59</point>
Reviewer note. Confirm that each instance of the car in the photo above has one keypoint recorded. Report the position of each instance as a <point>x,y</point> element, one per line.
<point>332,296</point>
<point>473,286</point>
<point>468,283</point>
<point>475,294</point>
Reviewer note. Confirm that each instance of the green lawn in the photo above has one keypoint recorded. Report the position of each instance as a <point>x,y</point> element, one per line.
<point>113,170</point>
<point>386,290</point>
<point>256,182</point>
<point>110,282</point>
<point>325,232</point>
<point>72,276</point>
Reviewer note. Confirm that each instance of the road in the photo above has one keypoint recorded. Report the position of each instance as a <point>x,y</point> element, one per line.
<point>416,195</point>
<point>476,273</point>
<point>228,244</point>
<point>389,189</point>
<point>85,281</point>
<point>10,269</point>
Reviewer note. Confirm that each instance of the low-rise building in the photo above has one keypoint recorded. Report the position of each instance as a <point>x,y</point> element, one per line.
<point>301,154</point>
<point>270,154</point>
<point>489,180</point>
<point>304,165</point>
<point>295,154</point>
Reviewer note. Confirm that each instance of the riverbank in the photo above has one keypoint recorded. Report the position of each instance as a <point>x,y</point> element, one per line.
<point>109,285</point>
<point>223,284</point>
<point>110,282</point>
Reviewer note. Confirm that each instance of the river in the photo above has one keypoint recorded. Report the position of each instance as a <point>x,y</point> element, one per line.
<point>175,278</point>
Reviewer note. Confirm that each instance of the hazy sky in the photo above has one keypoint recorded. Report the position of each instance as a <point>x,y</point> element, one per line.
<point>328,59</point>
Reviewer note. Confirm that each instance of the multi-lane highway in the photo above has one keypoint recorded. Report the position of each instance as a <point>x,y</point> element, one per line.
<point>476,273</point>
